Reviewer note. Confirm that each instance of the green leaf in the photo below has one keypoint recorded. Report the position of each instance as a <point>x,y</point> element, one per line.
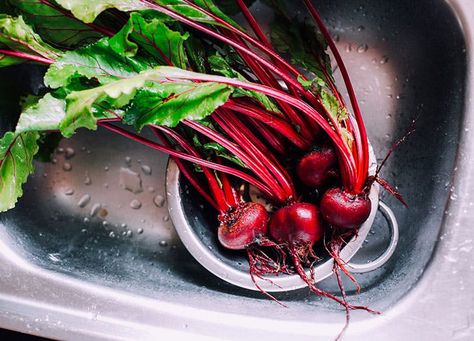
<point>16,164</point>
<point>88,10</point>
<point>168,104</point>
<point>158,97</point>
<point>97,61</point>
<point>154,37</point>
<point>18,148</point>
<point>55,25</point>
<point>16,35</point>
<point>302,42</point>
<point>42,116</point>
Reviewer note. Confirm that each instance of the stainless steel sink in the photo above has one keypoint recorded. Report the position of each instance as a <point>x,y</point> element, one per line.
<point>123,274</point>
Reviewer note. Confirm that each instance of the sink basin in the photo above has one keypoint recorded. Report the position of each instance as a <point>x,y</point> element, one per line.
<point>90,251</point>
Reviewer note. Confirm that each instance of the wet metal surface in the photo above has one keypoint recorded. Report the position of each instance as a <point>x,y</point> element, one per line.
<point>89,252</point>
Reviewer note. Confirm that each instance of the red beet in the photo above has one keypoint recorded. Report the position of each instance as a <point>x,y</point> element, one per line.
<point>242,226</point>
<point>342,209</point>
<point>314,169</point>
<point>296,224</point>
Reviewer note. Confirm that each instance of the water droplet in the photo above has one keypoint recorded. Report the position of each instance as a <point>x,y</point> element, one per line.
<point>83,148</point>
<point>106,185</point>
<point>128,160</point>
<point>163,243</point>
<point>105,223</point>
<point>112,234</point>
<point>95,209</point>
<point>146,169</point>
<point>362,48</point>
<point>151,189</point>
<point>166,218</point>
<point>87,180</point>
<point>130,180</point>
<point>384,60</point>
<point>69,191</point>
<point>54,161</point>
<point>348,48</point>
<point>129,233</point>
<point>135,204</point>
<point>124,226</point>
<point>84,200</point>
<point>106,168</point>
<point>360,28</point>
<point>159,200</point>
<point>84,231</point>
<point>54,257</point>
<point>67,166</point>
<point>70,153</point>
<point>59,150</point>
<point>140,230</point>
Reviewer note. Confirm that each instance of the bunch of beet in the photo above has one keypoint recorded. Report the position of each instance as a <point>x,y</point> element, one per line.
<point>288,136</point>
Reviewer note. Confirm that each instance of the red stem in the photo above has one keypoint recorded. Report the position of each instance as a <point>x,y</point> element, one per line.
<point>245,138</point>
<point>280,125</point>
<point>362,144</point>
<point>27,56</point>
<point>257,167</point>
<point>187,173</point>
<point>210,176</point>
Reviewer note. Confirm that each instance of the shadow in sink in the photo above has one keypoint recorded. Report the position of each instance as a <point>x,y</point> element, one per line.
<point>407,59</point>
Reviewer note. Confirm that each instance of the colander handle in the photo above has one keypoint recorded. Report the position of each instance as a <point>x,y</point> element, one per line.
<point>384,257</point>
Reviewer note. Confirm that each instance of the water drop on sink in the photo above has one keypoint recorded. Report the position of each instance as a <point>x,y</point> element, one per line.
<point>59,150</point>
<point>70,153</point>
<point>166,218</point>
<point>362,48</point>
<point>84,200</point>
<point>87,180</point>
<point>348,48</point>
<point>163,243</point>
<point>112,234</point>
<point>69,191</point>
<point>95,209</point>
<point>151,189</point>
<point>129,233</point>
<point>360,28</point>
<point>146,169</point>
<point>135,204</point>
<point>159,200</point>
<point>67,166</point>
<point>130,180</point>
<point>106,168</point>
<point>124,226</point>
<point>105,223</point>
<point>384,60</point>
<point>140,230</point>
<point>128,160</point>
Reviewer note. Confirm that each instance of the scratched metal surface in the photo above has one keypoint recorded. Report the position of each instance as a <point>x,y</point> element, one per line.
<point>121,272</point>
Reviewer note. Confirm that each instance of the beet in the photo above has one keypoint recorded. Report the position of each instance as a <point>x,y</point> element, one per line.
<point>316,168</point>
<point>296,224</point>
<point>242,226</point>
<point>343,209</point>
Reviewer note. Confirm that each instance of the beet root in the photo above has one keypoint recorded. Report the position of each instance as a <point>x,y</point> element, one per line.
<point>343,209</point>
<point>242,226</point>
<point>317,167</point>
<point>296,224</point>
